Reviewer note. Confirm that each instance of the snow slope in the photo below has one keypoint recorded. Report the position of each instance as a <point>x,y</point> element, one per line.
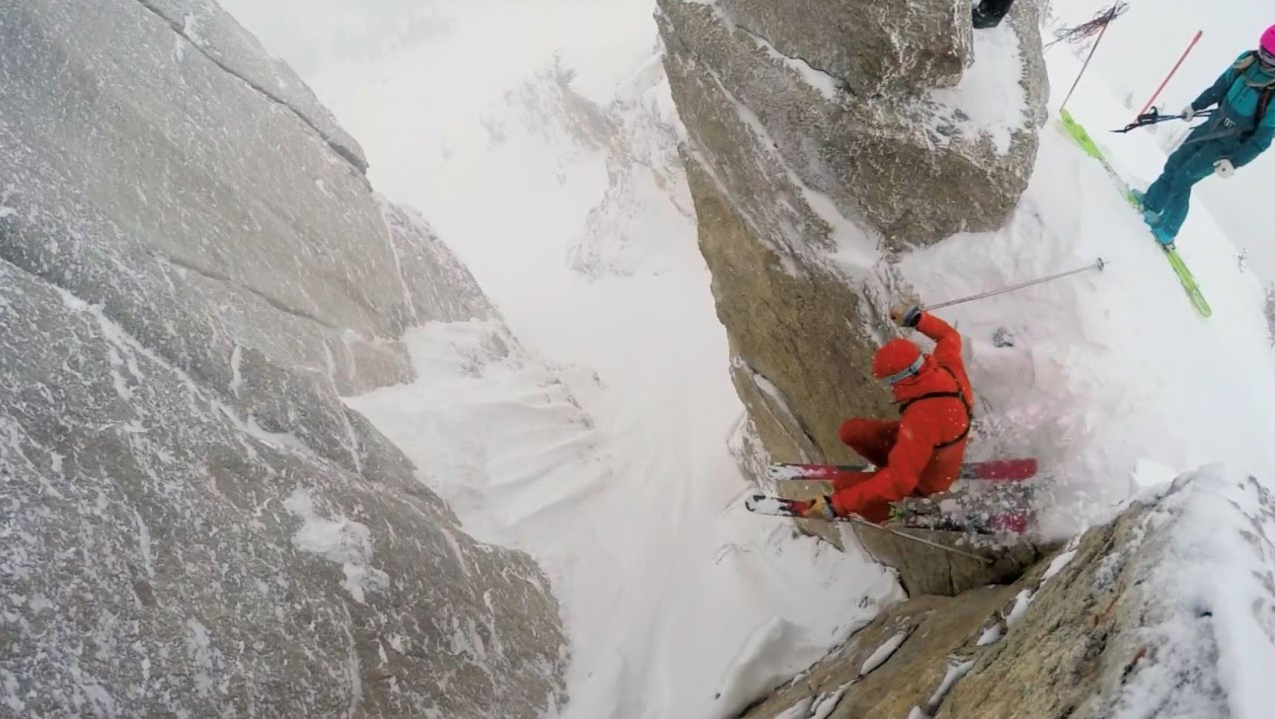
<point>670,591</point>
<point>602,449</point>
<point>1133,58</point>
<point>669,597</point>
<point>1108,368</point>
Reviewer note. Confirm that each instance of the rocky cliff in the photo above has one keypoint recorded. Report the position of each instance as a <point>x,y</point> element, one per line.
<point>193,270</point>
<point>820,136</point>
<point>1168,611</point>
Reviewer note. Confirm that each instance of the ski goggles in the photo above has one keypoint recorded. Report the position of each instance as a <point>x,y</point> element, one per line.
<point>906,372</point>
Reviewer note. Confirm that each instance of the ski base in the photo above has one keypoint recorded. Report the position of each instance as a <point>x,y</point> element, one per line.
<point>910,517</point>
<point>1003,470</point>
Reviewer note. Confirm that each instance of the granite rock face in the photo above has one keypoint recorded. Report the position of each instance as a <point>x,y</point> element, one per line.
<point>908,165</point>
<point>1145,616</point>
<point>215,34</point>
<point>193,270</point>
<point>871,48</point>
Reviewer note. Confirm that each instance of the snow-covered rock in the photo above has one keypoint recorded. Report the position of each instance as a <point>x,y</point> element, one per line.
<point>215,34</point>
<point>869,47</point>
<point>1167,611</point>
<point>193,269</point>
<point>911,164</point>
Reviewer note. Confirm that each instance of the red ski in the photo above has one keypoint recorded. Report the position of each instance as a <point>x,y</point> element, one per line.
<point>1000,470</point>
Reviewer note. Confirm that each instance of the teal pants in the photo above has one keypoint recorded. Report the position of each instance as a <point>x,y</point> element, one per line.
<point>1170,195</point>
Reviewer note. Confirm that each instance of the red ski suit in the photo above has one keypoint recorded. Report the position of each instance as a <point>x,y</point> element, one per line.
<point>921,453</point>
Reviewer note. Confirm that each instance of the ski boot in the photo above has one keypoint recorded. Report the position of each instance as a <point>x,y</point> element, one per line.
<point>1164,238</point>
<point>989,13</point>
<point>1151,217</point>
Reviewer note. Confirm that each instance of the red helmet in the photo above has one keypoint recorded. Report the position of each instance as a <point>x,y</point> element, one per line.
<point>1267,42</point>
<point>896,361</point>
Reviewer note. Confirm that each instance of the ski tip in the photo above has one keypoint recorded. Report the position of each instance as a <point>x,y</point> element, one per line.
<point>1201,306</point>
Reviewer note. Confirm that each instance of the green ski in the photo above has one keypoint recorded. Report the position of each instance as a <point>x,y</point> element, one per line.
<point>1082,138</point>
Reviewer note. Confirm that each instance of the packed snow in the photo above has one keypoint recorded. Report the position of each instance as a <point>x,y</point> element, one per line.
<point>955,672</point>
<point>601,447</point>
<point>825,704</point>
<point>988,101</point>
<point>991,635</point>
<point>1022,602</point>
<point>953,675</point>
<point>1058,564</point>
<point>800,710</point>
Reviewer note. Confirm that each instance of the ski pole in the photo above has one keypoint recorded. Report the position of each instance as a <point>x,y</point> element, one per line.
<point>926,542</point>
<point>1178,64</point>
<point>1098,265</point>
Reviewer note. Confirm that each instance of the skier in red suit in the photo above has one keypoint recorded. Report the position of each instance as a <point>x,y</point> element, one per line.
<point>921,453</point>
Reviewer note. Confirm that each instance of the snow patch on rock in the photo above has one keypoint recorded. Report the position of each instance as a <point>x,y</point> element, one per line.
<point>826,84</point>
<point>1058,564</point>
<point>991,635</point>
<point>338,540</point>
<point>1021,603</point>
<point>1210,574</point>
<point>826,704</point>
<point>754,669</point>
<point>883,653</point>
<point>989,101</point>
<point>800,710</point>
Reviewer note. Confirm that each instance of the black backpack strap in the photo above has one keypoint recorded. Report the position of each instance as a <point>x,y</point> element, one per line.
<point>1263,97</point>
<point>1263,101</point>
<point>958,394</point>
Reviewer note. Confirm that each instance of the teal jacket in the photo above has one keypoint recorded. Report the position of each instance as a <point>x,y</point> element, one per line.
<point>1237,92</point>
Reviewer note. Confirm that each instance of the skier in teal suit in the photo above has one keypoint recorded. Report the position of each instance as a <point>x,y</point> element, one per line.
<point>1238,131</point>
